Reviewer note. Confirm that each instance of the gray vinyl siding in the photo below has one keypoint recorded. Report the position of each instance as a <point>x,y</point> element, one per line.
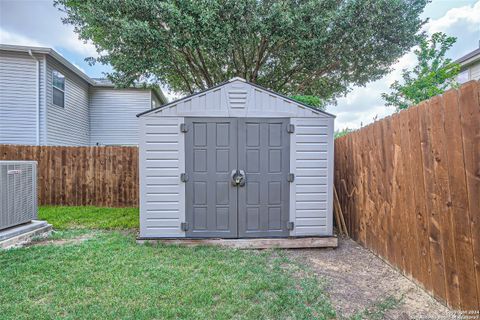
<point>475,72</point>
<point>311,160</point>
<point>113,113</point>
<point>162,160</point>
<point>18,98</point>
<point>68,125</point>
<point>236,99</point>
<point>162,157</point>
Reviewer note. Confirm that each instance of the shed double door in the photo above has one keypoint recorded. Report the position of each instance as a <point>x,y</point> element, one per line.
<point>217,150</point>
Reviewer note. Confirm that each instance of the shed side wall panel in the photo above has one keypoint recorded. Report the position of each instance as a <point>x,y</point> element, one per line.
<point>311,162</point>
<point>68,125</point>
<point>18,98</point>
<point>162,194</point>
<point>113,112</point>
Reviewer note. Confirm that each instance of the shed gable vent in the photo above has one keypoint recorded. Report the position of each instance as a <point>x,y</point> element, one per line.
<point>237,97</point>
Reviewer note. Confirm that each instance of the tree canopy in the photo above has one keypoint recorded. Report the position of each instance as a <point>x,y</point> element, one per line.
<point>310,100</point>
<point>433,74</point>
<point>295,47</point>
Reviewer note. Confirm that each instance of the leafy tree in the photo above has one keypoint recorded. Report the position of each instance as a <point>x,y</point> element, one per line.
<point>304,47</point>
<point>312,101</point>
<point>432,75</point>
<point>343,132</point>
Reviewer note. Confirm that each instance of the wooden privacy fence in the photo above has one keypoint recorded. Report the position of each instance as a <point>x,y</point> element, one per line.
<point>78,176</point>
<point>409,186</point>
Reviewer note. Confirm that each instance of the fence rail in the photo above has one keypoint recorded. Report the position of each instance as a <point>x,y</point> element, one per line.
<point>409,186</point>
<point>78,176</point>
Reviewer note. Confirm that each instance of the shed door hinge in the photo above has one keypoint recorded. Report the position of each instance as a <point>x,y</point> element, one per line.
<point>183,127</point>
<point>291,128</point>
<point>291,177</point>
<point>184,226</point>
<point>183,177</point>
<point>290,225</point>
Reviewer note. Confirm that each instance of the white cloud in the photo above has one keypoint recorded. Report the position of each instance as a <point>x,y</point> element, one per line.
<point>23,21</point>
<point>466,16</point>
<point>17,39</point>
<point>72,42</point>
<point>362,104</point>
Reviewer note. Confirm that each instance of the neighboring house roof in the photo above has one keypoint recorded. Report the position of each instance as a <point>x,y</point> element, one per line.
<point>96,82</point>
<point>103,82</point>
<point>469,58</point>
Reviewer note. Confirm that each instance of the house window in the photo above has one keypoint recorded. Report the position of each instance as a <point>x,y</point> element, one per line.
<point>463,76</point>
<point>58,82</point>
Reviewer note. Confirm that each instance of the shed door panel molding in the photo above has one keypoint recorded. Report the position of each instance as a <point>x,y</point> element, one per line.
<point>263,149</point>
<point>211,155</point>
<point>237,177</point>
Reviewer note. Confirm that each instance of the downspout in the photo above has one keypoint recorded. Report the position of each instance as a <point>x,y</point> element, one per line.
<point>37,98</point>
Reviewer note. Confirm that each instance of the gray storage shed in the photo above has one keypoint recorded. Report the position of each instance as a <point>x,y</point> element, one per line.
<point>235,161</point>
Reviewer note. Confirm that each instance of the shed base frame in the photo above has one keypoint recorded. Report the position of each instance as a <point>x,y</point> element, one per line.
<point>254,243</point>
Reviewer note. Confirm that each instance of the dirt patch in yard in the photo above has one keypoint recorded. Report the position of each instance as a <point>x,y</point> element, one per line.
<point>60,242</point>
<point>357,280</point>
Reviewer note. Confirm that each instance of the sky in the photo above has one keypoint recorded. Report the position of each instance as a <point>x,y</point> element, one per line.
<point>38,23</point>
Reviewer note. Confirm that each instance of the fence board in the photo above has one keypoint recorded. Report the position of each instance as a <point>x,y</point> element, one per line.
<point>415,178</point>
<point>470,120</point>
<point>412,252</point>
<point>100,176</point>
<point>443,201</point>
<point>435,236</point>
<point>420,211</point>
<point>459,203</point>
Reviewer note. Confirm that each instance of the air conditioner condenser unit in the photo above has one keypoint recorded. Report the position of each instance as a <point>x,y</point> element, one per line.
<point>18,192</point>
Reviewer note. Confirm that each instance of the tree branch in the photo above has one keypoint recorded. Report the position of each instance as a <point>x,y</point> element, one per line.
<point>245,67</point>
<point>194,69</point>
<point>260,56</point>
<point>204,68</point>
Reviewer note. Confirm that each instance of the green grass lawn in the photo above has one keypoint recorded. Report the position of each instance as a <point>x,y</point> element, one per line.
<point>62,217</point>
<point>109,276</point>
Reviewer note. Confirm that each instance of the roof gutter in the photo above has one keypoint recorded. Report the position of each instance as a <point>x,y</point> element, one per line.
<point>37,98</point>
<point>52,53</point>
<point>160,95</point>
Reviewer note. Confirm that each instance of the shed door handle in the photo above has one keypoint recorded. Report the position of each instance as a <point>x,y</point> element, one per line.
<point>241,178</point>
<point>233,177</point>
<point>238,178</point>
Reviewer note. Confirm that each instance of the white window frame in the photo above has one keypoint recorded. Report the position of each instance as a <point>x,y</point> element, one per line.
<point>466,74</point>
<point>62,90</point>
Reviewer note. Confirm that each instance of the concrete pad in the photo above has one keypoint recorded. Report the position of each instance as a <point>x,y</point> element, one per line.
<point>21,234</point>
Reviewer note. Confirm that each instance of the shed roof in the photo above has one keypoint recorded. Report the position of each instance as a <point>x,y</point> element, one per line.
<point>226,83</point>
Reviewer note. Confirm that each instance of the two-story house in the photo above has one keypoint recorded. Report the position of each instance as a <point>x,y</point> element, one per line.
<point>46,100</point>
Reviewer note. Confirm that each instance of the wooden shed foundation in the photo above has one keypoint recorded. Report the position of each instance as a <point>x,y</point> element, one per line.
<point>257,243</point>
